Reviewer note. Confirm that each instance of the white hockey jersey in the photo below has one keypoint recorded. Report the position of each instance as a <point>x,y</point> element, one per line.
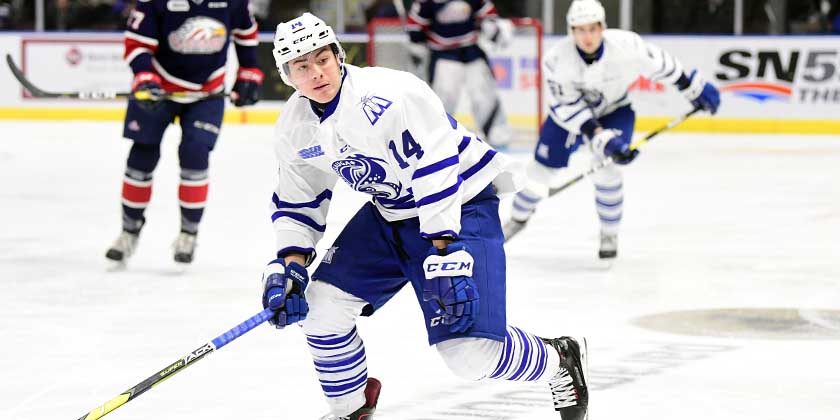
<point>581,91</point>
<point>385,134</point>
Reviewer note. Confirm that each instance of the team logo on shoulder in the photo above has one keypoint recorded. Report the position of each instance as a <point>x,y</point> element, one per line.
<point>374,106</point>
<point>199,35</point>
<point>368,175</point>
<point>311,152</point>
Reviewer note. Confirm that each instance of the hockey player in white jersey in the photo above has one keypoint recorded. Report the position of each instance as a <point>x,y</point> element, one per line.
<point>444,39</point>
<point>432,222</point>
<point>588,74</point>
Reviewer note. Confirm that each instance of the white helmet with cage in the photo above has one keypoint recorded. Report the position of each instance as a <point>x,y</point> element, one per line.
<point>584,12</point>
<point>299,37</point>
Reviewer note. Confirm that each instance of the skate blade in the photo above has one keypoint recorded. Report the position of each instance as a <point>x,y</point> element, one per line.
<point>512,228</point>
<point>113,266</point>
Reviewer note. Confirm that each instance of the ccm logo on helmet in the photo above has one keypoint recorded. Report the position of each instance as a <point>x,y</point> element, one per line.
<point>448,266</point>
<point>301,39</point>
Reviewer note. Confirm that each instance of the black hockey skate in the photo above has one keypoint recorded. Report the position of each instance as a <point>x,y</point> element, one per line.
<point>364,412</point>
<point>568,386</point>
<point>609,246</point>
<point>184,247</point>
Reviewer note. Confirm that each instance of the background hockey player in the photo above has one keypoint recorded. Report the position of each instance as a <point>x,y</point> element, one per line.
<point>175,46</point>
<point>444,38</point>
<point>433,222</point>
<point>588,74</point>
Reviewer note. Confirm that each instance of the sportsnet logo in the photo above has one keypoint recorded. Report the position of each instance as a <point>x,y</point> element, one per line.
<point>804,76</point>
<point>759,91</point>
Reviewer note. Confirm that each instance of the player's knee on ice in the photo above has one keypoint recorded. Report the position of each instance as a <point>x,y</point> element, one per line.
<point>470,358</point>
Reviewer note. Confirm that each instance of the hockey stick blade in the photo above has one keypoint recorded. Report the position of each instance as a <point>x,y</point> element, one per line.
<point>178,365</point>
<point>33,90</point>
<point>100,95</point>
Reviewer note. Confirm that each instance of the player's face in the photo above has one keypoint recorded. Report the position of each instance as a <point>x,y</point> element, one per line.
<point>588,37</point>
<point>316,75</point>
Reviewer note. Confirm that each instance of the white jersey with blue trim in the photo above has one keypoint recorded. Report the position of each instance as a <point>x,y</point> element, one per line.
<point>385,134</point>
<point>581,91</point>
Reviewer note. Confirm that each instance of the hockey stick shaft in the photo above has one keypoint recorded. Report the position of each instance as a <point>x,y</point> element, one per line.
<point>178,365</point>
<point>633,146</point>
<point>100,95</point>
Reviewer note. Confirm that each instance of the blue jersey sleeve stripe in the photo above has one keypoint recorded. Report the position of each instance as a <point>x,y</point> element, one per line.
<point>440,195</point>
<point>479,165</point>
<point>314,204</point>
<point>300,218</point>
<point>465,141</point>
<point>437,166</point>
<point>452,121</point>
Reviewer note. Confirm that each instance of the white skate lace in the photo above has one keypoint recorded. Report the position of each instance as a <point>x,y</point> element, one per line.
<point>609,242</point>
<point>333,417</point>
<point>562,389</point>
<point>184,243</point>
<point>125,243</point>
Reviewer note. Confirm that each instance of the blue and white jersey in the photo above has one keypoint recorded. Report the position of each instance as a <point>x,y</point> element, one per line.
<point>581,91</point>
<point>385,134</point>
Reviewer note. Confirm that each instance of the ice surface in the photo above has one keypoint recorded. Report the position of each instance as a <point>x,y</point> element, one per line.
<point>711,221</point>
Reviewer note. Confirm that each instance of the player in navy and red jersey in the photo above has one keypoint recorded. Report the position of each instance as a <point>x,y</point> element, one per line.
<point>445,34</point>
<point>177,46</point>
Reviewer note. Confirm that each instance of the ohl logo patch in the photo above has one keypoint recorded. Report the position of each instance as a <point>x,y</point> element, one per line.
<point>374,106</point>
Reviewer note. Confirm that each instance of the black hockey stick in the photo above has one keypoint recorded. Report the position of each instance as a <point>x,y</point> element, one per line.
<point>178,365</point>
<point>98,95</point>
<point>513,227</point>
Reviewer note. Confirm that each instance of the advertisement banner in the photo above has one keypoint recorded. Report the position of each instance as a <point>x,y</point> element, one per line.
<point>758,77</point>
<point>74,65</point>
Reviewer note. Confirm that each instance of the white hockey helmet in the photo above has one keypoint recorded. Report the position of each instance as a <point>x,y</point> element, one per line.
<point>299,37</point>
<point>583,12</point>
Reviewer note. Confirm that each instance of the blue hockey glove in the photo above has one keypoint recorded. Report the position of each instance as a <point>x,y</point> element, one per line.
<point>246,90</point>
<point>701,93</point>
<point>283,292</point>
<point>148,82</point>
<point>449,286</point>
<point>609,143</point>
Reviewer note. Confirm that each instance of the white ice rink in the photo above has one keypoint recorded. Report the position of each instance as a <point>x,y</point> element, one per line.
<point>711,222</point>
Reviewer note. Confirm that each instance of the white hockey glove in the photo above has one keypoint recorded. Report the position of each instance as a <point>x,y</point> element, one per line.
<point>419,55</point>
<point>497,31</point>
<point>609,143</point>
<point>449,287</point>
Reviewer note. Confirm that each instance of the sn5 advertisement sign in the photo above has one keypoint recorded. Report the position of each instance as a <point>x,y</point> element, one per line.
<point>758,76</point>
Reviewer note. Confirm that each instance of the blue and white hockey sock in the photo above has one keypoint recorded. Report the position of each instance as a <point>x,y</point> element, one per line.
<point>342,369</point>
<point>525,358</point>
<point>609,200</point>
<point>524,204</point>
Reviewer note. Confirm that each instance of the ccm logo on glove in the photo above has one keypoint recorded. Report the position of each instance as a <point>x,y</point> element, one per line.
<point>458,263</point>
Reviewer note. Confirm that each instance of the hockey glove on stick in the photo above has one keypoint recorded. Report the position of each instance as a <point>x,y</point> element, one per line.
<point>609,143</point>
<point>246,90</point>
<point>148,84</point>
<point>449,287</point>
<point>283,292</point>
<point>701,93</point>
